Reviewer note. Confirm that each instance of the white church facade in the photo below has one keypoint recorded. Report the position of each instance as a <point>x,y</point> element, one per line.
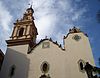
<point>47,59</point>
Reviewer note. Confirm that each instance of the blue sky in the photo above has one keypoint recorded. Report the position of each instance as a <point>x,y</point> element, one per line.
<point>60,15</point>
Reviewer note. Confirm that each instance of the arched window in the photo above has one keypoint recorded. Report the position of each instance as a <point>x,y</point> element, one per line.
<point>21,31</point>
<point>81,64</point>
<point>45,67</point>
<point>12,70</point>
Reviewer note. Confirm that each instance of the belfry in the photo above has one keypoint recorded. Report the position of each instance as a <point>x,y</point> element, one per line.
<point>25,31</point>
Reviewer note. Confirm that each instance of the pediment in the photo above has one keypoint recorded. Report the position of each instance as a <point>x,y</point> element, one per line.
<point>46,44</point>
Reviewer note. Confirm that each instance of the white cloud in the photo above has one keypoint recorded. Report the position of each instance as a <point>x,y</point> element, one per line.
<point>78,0</point>
<point>5,20</point>
<point>77,15</point>
<point>54,16</point>
<point>46,25</point>
<point>64,5</point>
<point>5,17</point>
<point>3,36</point>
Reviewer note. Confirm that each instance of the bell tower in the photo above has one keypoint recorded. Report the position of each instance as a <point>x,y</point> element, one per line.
<point>25,31</point>
<point>23,38</point>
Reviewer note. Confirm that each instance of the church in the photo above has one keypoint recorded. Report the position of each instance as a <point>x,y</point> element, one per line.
<point>25,58</point>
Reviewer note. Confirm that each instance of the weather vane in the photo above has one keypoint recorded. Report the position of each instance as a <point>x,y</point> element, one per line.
<point>30,4</point>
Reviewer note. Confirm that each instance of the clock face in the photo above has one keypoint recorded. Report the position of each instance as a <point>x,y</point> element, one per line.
<point>76,37</point>
<point>45,45</point>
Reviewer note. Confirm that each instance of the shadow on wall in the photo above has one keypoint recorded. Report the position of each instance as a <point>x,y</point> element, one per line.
<point>15,65</point>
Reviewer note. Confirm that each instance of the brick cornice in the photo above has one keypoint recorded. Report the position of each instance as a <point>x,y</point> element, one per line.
<point>18,42</point>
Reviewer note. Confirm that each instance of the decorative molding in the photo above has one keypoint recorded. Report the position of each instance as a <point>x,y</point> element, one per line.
<point>25,22</point>
<point>23,35</point>
<point>45,76</point>
<point>59,45</point>
<point>18,42</point>
<point>45,45</point>
<point>74,30</point>
<point>26,30</point>
<point>13,31</point>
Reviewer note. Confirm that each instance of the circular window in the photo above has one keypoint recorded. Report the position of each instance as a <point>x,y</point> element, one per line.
<point>76,37</point>
<point>45,67</point>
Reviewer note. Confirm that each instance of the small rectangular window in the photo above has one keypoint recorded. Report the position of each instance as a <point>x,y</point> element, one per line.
<point>46,45</point>
<point>12,71</point>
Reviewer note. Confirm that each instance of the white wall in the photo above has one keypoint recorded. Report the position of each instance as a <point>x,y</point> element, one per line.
<point>63,64</point>
<point>16,55</point>
<point>78,50</point>
<point>54,56</point>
